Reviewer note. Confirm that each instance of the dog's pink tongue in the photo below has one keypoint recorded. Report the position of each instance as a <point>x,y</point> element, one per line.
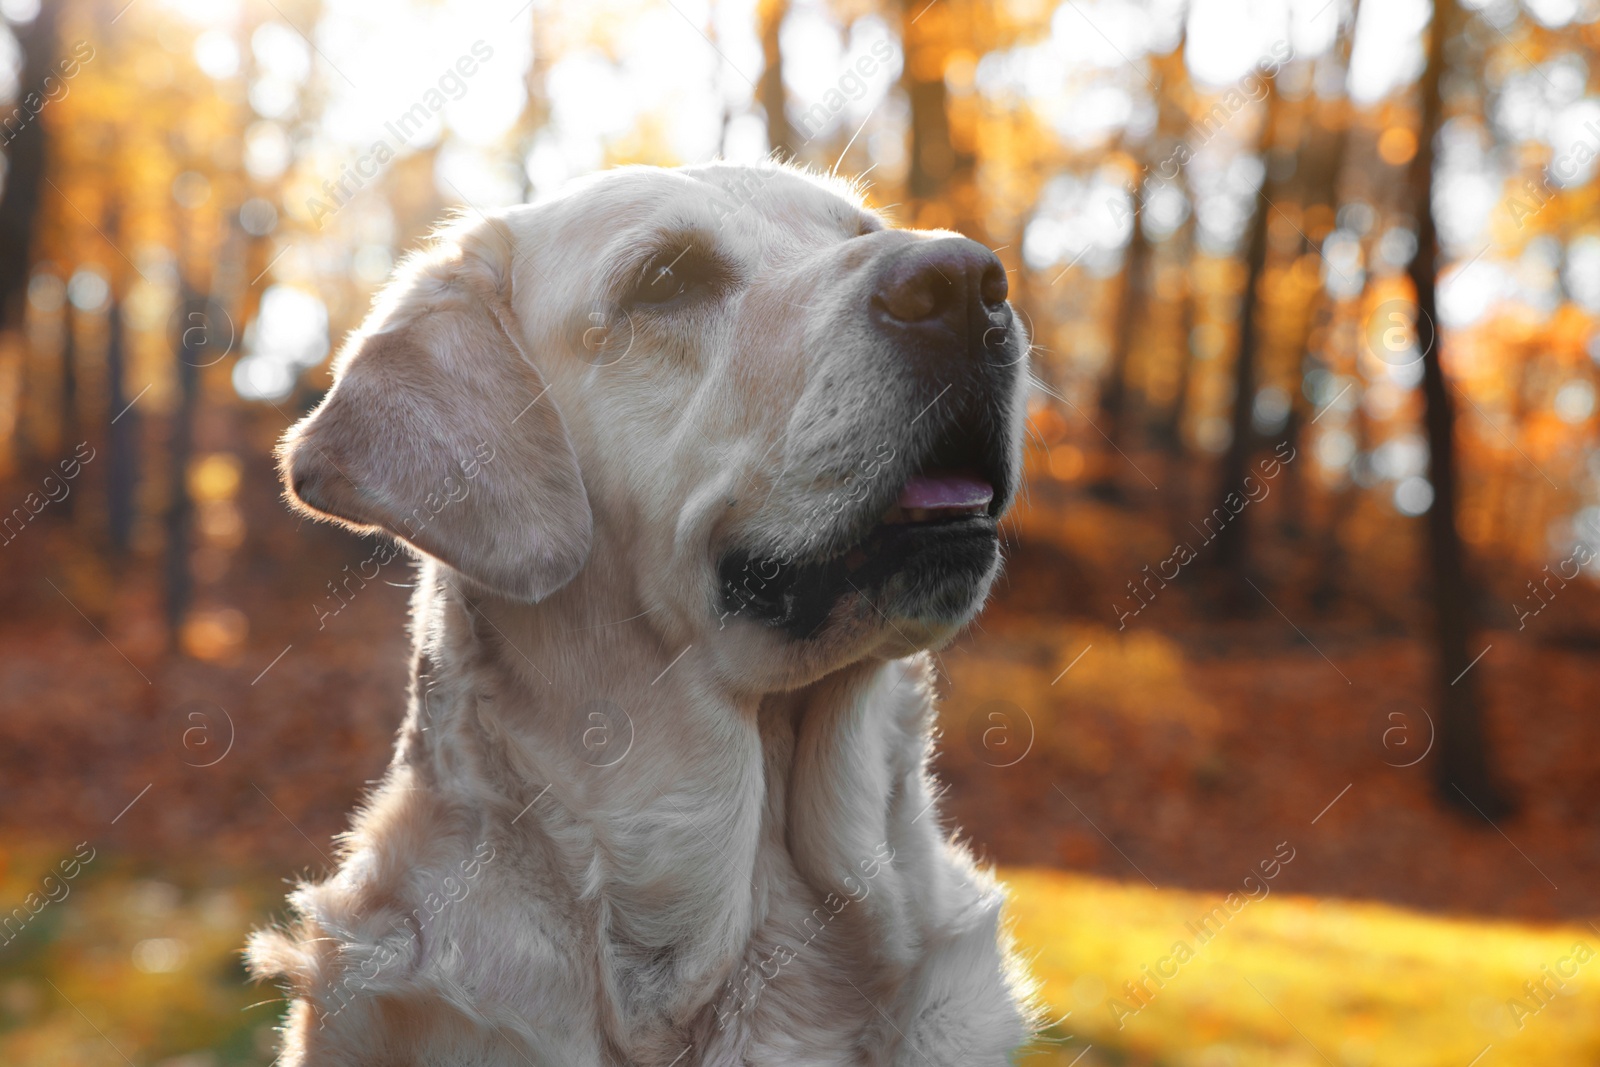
<point>945,491</point>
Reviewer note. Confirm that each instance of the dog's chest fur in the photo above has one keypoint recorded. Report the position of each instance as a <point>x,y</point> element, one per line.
<point>734,885</point>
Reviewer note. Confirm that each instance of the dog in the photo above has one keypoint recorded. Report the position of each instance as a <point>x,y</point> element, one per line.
<point>697,464</point>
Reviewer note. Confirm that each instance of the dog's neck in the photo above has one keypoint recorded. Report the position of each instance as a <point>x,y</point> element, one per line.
<point>609,765</point>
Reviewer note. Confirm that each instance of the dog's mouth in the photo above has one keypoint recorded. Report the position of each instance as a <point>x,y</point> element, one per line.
<point>939,496</point>
<point>922,551</point>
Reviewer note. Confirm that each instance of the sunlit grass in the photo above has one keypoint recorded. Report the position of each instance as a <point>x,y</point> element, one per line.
<point>125,967</point>
<point>1296,980</point>
<point>129,965</point>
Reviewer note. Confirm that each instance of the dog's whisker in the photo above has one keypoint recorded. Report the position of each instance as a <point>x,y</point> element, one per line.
<point>617,622</point>
<point>259,1003</point>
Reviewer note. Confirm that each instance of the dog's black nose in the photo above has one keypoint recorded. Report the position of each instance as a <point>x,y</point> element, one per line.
<point>949,284</point>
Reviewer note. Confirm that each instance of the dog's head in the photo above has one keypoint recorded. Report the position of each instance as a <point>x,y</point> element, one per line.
<point>784,428</point>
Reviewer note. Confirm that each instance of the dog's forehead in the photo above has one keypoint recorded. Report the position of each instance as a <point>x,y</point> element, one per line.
<point>754,203</point>
<point>782,195</point>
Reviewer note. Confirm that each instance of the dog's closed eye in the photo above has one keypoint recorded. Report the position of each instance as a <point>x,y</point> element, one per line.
<point>680,277</point>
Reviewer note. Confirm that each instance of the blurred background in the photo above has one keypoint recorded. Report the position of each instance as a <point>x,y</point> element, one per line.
<point>1282,722</point>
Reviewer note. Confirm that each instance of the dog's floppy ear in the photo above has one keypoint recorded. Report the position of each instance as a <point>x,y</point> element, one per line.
<point>438,430</point>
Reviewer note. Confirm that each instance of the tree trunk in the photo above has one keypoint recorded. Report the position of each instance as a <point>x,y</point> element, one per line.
<point>1134,301</point>
<point>942,180</point>
<point>1131,309</point>
<point>122,467</point>
<point>780,134</point>
<point>1170,429</point>
<point>1233,548</point>
<point>1461,772</point>
<point>1322,189</point>
<point>180,507</point>
<point>24,168</point>
<point>1333,566</point>
<point>67,398</point>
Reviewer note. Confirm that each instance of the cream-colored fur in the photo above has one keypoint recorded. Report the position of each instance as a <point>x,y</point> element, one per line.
<point>623,825</point>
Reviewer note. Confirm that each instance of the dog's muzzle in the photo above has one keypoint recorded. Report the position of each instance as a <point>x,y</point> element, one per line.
<point>923,537</point>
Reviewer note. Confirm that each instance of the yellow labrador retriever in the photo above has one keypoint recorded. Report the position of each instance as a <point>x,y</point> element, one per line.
<point>697,463</point>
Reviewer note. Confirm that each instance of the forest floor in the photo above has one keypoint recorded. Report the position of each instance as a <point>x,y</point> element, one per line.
<point>1179,750</point>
